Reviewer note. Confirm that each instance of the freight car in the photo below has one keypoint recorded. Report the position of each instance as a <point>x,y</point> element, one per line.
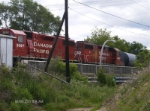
<point>127,58</point>
<point>33,45</point>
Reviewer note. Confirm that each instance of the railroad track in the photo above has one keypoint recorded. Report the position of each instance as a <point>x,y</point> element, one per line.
<point>93,79</point>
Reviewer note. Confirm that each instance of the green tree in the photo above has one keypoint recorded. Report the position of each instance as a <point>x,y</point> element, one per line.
<point>29,15</point>
<point>136,47</point>
<point>143,58</point>
<point>4,14</point>
<point>98,36</point>
<point>121,44</point>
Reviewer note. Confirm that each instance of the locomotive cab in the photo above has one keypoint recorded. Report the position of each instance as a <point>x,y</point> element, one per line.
<point>85,52</point>
<point>117,58</point>
<point>19,43</point>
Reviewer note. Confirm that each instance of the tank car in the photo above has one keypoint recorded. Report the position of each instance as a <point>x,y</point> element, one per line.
<point>127,58</point>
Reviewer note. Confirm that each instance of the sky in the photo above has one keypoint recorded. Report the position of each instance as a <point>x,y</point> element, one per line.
<point>128,19</point>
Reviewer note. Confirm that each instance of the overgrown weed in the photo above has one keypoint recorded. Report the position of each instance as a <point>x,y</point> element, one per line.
<point>134,96</point>
<point>22,91</point>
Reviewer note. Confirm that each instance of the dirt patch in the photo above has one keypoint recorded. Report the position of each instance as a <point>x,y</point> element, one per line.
<point>80,109</point>
<point>86,109</point>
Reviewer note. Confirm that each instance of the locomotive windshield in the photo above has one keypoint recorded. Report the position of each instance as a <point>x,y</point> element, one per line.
<point>29,34</point>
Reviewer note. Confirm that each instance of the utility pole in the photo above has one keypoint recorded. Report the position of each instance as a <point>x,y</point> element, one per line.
<point>64,18</point>
<point>54,44</point>
<point>67,43</point>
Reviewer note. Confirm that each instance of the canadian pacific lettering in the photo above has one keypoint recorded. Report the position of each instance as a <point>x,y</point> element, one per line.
<point>42,45</point>
<point>41,51</point>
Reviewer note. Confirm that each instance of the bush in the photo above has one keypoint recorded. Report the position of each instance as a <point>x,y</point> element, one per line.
<point>6,85</point>
<point>50,106</point>
<point>105,79</point>
<point>74,73</point>
<point>23,93</point>
<point>14,107</point>
<point>101,77</point>
<point>110,81</point>
<point>5,72</point>
<point>3,105</point>
<point>58,67</point>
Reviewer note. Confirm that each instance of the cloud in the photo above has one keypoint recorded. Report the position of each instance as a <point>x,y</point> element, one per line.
<point>130,37</point>
<point>81,25</point>
<point>83,19</point>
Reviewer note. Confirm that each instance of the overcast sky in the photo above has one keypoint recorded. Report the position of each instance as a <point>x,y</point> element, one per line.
<point>129,19</point>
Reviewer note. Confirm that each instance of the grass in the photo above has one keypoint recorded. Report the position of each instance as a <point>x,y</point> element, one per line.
<point>134,96</point>
<point>21,91</point>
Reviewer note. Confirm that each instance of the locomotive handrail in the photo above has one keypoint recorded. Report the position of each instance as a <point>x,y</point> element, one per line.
<point>79,57</point>
<point>86,59</point>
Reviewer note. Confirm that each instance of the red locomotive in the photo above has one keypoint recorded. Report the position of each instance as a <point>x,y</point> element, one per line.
<point>89,53</point>
<point>33,45</point>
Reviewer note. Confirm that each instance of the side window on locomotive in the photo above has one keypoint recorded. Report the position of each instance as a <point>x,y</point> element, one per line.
<point>89,47</point>
<point>20,39</point>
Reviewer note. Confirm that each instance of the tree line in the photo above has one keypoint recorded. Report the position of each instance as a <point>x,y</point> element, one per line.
<point>28,15</point>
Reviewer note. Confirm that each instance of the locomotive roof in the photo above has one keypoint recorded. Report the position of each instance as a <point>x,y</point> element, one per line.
<point>89,43</point>
<point>86,42</point>
<point>116,49</point>
<point>31,31</point>
<point>18,32</point>
<point>6,36</point>
<point>63,37</point>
